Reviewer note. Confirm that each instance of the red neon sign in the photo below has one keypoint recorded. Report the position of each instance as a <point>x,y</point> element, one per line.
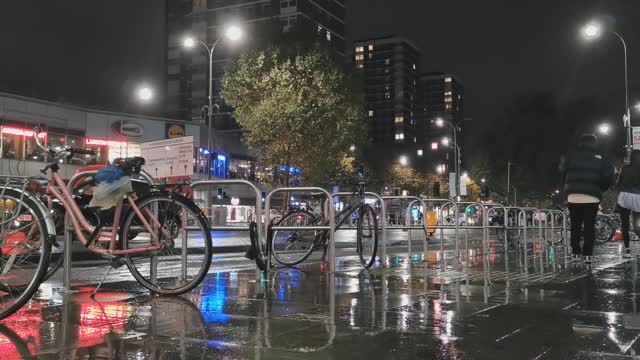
<point>104,142</point>
<point>21,132</point>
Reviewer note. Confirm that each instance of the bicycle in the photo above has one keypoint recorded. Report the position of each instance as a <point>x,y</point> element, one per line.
<point>142,239</point>
<point>291,247</point>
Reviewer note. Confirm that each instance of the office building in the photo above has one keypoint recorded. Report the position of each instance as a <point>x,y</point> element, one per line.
<point>441,96</point>
<point>388,68</point>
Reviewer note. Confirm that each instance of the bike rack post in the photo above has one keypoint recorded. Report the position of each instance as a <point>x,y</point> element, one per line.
<point>539,215</point>
<point>258,197</point>
<point>407,225</point>
<point>445,203</point>
<point>66,275</point>
<point>383,216</point>
<point>330,228</point>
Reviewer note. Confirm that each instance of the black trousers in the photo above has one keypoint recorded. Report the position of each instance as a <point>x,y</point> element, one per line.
<point>583,215</point>
<point>624,217</point>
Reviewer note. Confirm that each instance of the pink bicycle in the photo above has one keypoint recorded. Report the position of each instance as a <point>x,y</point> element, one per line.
<point>162,237</point>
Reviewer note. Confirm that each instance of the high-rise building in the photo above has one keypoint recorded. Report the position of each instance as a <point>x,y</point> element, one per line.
<point>388,66</point>
<point>263,22</point>
<point>441,95</point>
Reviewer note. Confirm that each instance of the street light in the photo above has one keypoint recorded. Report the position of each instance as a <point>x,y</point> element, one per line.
<point>404,160</point>
<point>483,180</point>
<point>352,148</point>
<point>445,141</point>
<point>604,129</point>
<point>440,169</point>
<point>593,30</point>
<point>144,93</point>
<point>439,122</point>
<point>232,33</point>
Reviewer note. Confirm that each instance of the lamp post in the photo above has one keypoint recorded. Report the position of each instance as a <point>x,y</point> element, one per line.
<point>232,33</point>
<point>593,30</point>
<point>439,122</point>
<point>604,129</point>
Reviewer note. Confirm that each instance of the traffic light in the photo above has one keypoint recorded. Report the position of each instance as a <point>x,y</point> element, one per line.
<point>360,171</point>
<point>436,189</point>
<point>484,193</point>
<point>220,193</point>
<point>264,196</point>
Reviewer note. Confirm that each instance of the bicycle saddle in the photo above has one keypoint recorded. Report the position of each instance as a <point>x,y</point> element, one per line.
<point>130,165</point>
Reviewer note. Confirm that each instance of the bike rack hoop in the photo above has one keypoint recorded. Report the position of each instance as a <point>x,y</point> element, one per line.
<point>328,210</point>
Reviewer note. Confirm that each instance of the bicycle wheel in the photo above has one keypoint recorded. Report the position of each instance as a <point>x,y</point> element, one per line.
<point>24,250</point>
<point>367,236</point>
<point>184,259</point>
<point>604,230</point>
<point>291,247</point>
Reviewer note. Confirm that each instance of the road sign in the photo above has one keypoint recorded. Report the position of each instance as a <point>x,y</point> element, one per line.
<point>167,158</point>
<point>463,185</point>
<point>636,137</point>
<point>452,184</point>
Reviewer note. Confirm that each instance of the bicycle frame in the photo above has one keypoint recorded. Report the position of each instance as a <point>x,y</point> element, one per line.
<point>57,189</point>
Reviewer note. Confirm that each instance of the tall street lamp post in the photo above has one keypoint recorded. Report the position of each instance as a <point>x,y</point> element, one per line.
<point>232,33</point>
<point>592,31</point>
<point>439,122</point>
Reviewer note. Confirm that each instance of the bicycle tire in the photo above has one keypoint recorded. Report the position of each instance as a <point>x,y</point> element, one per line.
<point>44,253</point>
<point>21,346</point>
<point>308,219</point>
<point>197,217</point>
<point>363,213</point>
<point>604,230</point>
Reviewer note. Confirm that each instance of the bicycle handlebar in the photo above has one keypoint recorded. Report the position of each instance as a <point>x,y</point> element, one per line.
<point>67,151</point>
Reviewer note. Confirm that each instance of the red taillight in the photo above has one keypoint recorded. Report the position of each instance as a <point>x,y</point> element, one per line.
<point>33,186</point>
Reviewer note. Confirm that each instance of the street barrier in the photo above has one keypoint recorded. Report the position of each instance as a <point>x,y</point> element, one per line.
<point>383,216</point>
<point>258,211</point>
<point>329,212</point>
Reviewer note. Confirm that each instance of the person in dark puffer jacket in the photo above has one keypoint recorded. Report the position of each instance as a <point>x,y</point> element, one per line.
<point>585,176</point>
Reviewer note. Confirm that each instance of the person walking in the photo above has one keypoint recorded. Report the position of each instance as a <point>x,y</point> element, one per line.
<point>586,175</point>
<point>629,198</point>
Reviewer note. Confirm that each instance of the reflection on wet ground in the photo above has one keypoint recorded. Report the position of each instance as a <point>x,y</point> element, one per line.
<point>444,310</point>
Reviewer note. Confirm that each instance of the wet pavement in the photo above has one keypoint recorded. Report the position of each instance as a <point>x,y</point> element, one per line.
<point>491,309</point>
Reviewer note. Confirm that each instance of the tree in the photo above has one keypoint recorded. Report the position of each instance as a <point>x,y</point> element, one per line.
<point>295,109</point>
<point>404,178</point>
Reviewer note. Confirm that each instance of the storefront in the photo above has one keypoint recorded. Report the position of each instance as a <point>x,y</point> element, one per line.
<point>110,135</point>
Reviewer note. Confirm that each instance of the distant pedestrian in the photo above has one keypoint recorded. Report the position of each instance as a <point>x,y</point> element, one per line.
<point>585,176</point>
<point>629,198</point>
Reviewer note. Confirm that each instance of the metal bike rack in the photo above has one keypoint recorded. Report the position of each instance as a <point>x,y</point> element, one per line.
<point>258,208</point>
<point>66,279</point>
<point>329,211</point>
<point>445,204</point>
<point>383,216</point>
<point>407,222</point>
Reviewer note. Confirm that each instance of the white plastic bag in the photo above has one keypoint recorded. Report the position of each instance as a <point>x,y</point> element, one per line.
<point>106,195</point>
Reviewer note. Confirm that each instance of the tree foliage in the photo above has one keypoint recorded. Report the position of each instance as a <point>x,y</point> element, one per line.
<point>295,109</point>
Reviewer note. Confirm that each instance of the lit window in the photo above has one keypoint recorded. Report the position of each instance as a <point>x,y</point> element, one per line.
<point>370,56</point>
<point>387,95</point>
<point>447,79</point>
<point>387,61</point>
<point>359,49</point>
<point>400,136</point>
<point>370,47</point>
<point>360,66</point>
<point>419,152</point>
<point>447,93</point>
<point>447,106</point>
<point>414,66</point>
<point>448,99</point>
<point>399,119</point>
<point>370,112</point>
<point>359,57</point>
<point>328,36</point>
<point>319,28</point>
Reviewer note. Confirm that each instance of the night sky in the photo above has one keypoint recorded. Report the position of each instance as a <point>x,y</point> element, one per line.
<point>94,52</point>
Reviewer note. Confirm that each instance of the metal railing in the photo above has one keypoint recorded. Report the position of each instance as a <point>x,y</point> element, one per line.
<point>258,211</point>
<point>328,212</point>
